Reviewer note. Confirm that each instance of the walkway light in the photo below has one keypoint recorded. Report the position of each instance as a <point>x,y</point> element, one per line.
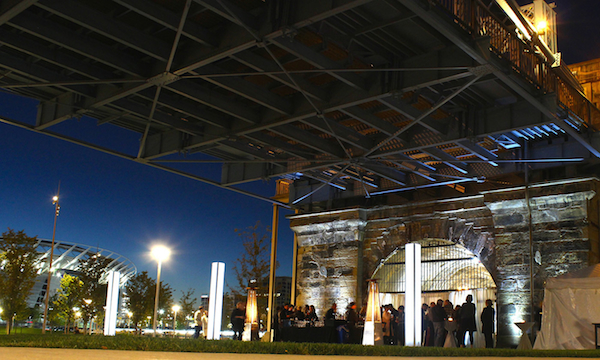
<point>159,253</point>
<point>176,309</point>
<point>56,210</point>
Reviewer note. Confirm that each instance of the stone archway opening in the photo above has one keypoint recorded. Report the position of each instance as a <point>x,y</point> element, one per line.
<point>449,272</point>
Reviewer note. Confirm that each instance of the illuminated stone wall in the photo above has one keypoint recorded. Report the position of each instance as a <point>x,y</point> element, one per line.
<point>339,250</point>
<point>564,235</point>
<point>329,259</point>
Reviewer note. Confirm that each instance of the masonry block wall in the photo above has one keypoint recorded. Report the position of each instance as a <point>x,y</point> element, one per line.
<point>339,250</point>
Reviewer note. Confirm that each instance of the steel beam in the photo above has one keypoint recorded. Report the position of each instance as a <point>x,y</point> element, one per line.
<point>319,61</point>
<point>307,139</point>
<point>170,20</point>
<point>246,89</point>
<point>261,64</point>
<point>11,8</point>
<point>108,26</point>
<point>231,12</point>
<point>64,37</point>
<point>447,159</point>
<point>340,131</point>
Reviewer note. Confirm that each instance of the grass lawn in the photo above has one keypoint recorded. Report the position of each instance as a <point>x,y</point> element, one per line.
<point>20,330</point>
<point>144,343</point>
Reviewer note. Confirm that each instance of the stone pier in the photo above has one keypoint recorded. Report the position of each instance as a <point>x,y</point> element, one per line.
<point>339,250</point>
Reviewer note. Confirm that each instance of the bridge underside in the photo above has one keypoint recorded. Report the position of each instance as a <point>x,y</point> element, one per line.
<point>347,99</point>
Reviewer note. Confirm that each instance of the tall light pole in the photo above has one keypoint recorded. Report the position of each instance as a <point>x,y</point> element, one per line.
<point>176,308</point>
<point>159,253</point>
<point>56,210</point>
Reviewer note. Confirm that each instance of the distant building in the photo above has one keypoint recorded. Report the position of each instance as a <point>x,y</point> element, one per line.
<point>282,291</point>
<point>66,259</point>
<point>588,74</point>
<point>204,301</point>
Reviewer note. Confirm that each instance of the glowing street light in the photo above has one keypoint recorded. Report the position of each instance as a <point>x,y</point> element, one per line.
<point>56,210</point>
<point>159,253</point>
<point>541,27</point>
<point>176,309</point>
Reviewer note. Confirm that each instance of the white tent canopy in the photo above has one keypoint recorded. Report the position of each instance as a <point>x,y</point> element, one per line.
<point>571,306</point>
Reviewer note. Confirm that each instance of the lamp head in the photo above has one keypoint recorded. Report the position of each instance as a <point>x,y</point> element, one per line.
<point>160,253</point>
<point>541,27</point>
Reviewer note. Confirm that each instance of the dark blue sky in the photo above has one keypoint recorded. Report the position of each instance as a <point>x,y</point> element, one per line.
<point>123,206</point>
<point>119,205</point>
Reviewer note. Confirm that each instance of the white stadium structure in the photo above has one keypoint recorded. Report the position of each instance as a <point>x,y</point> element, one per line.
<point>66,259</point>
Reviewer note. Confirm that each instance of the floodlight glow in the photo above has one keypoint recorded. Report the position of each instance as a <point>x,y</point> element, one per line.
<point>541,26</point>
<point>413,328</point>
<point>176,308</point>
<point>160,253</point>
<point>215,301</point>
<point>54,199</point>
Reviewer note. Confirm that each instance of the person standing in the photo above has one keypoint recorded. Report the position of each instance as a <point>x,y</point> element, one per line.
<point>438,317</point>
<point>351,321</point>
<point>386,322</point>
<point>400,323</point>
<point>238,317</point>
<point>198,322</point>
<point>204,320</point>
<point>467,321</point>
<point>487,320</point>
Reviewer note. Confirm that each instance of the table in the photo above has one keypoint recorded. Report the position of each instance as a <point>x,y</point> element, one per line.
<point>451,326</point>
<point>596,326</point>
<point>524,343</point>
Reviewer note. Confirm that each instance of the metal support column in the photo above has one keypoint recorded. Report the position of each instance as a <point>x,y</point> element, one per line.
<point>294,268</point>
<point>274,232</point>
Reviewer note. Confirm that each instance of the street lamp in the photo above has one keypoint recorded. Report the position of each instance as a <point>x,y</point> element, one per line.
<point>129,314</point>
<point>159,253</point>
<point>176,308</point>
<point>88,314</point>
<point>56,210</point>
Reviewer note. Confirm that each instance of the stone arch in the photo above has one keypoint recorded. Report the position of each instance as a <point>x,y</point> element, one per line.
<point>447,266</point>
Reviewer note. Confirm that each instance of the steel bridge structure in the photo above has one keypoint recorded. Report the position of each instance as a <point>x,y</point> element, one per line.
<point>346,100</point>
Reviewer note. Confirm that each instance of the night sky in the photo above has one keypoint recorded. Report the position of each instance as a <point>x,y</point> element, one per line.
<point>119,205</point>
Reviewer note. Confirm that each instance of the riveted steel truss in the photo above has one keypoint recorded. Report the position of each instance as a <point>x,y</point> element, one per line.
<point>359,97</point>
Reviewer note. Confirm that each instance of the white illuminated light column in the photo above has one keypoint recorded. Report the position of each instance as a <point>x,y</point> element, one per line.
<point>215,301</point>
<point>412,296</point>
<point>112,303</point>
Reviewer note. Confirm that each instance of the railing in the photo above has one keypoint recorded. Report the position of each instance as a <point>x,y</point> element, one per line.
<point>478,20</point>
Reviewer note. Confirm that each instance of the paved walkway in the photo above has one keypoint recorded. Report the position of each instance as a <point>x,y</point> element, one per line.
<point>79,354</point>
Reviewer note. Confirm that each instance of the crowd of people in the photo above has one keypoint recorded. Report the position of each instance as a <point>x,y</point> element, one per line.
<point>437,314</point>
<point>344,326</point>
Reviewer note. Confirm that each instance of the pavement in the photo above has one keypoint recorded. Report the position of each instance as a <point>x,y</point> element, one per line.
<point>18,353</point>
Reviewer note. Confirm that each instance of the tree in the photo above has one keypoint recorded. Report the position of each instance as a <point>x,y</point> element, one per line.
<point>140,298</point>
<point>254,264</point>
<point>69,298</point>
<point>91,272</point>
<point>18,264</point>
<point>187,304</point>
<point>141,291</point>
